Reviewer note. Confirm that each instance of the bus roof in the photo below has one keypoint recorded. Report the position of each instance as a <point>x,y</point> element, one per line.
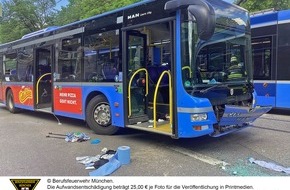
<point>54,30</point>
<point>268,18</point>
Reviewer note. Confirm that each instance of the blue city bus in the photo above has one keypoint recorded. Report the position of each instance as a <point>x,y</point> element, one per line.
<point>174,67</point>
<point>271,55</point>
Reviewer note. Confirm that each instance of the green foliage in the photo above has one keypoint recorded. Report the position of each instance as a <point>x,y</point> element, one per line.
<point>23,16</point>
<point>89,7</point>
<point>81,9</point>
<point>258,5</point>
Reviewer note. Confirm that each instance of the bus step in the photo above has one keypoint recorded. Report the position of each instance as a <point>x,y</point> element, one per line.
<point>137,119</point>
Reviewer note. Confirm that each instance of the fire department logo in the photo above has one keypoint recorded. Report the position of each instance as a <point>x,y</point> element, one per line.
<point>25,94</point>
<point>25,184</point>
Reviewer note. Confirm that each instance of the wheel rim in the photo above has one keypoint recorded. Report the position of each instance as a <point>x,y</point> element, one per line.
<point>102,114</point>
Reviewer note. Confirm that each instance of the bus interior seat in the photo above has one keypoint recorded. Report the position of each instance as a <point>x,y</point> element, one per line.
<point>109,71</point>
<point>155,72</point>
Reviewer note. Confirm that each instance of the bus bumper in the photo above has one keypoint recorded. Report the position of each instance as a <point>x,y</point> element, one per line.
<point>236,118</point>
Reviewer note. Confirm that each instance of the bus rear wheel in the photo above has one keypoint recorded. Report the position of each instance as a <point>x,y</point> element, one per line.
<point>98,116</point>
<point>10,102</point>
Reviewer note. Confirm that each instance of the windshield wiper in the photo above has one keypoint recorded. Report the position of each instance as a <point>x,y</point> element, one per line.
<point>213,87</point>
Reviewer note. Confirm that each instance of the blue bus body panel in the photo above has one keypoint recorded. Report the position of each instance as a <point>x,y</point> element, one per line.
<point>186,104</point>
<point>272,93</point>
<point>21,106</point>
<point>284,15</point>
<point>70,115</point>
<point>264,19</point>
<point>270,18</point>
<point>283,95</point>
<point>114,94</point>
<point>239,115</point>
<point>266,93</point>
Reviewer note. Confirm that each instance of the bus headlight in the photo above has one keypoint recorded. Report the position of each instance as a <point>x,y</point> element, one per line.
<point>198,117</point>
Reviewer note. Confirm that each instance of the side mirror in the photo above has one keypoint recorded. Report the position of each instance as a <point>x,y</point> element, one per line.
<point>204,16</point>
<point>199,11</point>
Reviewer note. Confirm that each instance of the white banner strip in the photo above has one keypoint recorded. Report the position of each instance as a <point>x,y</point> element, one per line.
<point>146,183</point>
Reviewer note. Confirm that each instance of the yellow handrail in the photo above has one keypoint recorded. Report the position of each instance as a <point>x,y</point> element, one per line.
<point>189,69</point>
<point>170,98</point>
<point>129,88</point>
<point>37,84</point>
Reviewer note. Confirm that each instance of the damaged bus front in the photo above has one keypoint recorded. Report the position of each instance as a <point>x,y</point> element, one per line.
<point>216,70</point>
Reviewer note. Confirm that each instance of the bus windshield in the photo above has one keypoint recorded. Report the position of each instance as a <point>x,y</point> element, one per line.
<point>222,59</point>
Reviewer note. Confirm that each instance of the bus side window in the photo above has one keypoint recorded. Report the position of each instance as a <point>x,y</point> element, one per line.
<point>101,56</point>
<point>70,60</point>
<point>10,62</point>
<point>24,68</point>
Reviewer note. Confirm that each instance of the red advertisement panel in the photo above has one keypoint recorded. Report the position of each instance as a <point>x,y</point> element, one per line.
<point>23,95</point>
<point>68,99</point>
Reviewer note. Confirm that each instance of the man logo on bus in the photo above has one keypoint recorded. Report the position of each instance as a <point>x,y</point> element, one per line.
<point>133,16</point>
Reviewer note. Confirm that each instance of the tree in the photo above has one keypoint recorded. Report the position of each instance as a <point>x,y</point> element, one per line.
<point>258,5</point>
<point>24,16</point>
<point>81,9</point>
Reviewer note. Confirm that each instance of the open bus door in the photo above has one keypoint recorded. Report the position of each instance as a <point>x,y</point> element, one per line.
<point>43,79</point>
<point>147,100</point>
<point>136,77</point>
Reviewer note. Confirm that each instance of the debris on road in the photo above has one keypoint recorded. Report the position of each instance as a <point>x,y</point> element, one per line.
<point>270,165</point>
<point>70,137</point>
<point>243,168</point>
<point>95,141</point>
<point>107,162</point>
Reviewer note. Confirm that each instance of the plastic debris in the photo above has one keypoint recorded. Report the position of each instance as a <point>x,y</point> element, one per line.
<point>160,120</point>
<point>76,137</point>
<point>95,141</point>
<point>81,158</point>
<point>106,169</point>
<point>89,161</point>
<point>104,150</point>
<point>270,165</point>
<point>103,164</point>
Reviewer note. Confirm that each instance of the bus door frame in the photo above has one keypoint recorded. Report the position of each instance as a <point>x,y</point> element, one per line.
<point>38,73</point>
<point>126,36</point>
<point>125,31</point>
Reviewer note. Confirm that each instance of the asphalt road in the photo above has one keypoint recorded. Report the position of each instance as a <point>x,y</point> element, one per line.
<point>25,150</point>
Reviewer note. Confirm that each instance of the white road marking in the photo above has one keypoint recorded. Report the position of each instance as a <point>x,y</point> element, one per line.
<point>200,157</point>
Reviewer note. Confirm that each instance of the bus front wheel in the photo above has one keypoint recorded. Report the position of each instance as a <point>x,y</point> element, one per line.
<point>10,102</point>
<point>98,116</point>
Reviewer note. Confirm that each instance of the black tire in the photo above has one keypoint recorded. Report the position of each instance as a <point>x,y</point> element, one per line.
<point>98,116</point>
<point>10,102</point>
